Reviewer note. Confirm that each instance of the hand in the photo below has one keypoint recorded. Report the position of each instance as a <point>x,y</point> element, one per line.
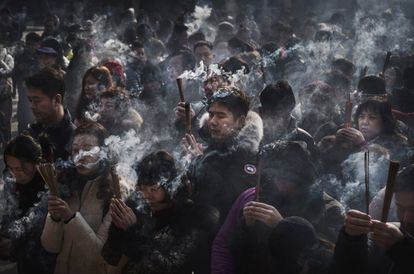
<point>351,134</point>
<point>58,208</point>
<point>357,223</point>
<point>385,235</point>
<point>122,216</point>
<point>261,212</point>
<point>190,146</point>
<point>180,112</point>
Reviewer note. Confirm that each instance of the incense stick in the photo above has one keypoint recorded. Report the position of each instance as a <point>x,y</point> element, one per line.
<point>366,165</point>
<point>348,112</point>
<point>47,171</point>
<point>115,183</point>
<point>259,176</point>
<point>188,117</point>
<point>392,176</point>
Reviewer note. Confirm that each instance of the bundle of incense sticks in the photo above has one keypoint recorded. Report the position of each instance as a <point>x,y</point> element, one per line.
<point>116,187</point>
<point>348,112</point>
<point>392,176</point>
<point>48,173</point>
<point>366,167</point>
<point>188,117</point>
<point>180,89</point>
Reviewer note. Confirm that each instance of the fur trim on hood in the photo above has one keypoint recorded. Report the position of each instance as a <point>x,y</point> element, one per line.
<point>250,135</point>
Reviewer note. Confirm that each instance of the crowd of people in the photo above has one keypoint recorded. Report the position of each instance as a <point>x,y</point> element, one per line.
<point>208,137</point>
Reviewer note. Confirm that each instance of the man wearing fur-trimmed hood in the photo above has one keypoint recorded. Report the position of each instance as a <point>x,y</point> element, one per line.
<point>227,166</point>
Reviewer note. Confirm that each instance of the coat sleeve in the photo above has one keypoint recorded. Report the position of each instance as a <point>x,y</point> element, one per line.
<point>52,235</point>
<point>402,254</point>
<point>175,260</point>
<point>351,254</point>
<point>80,231</point>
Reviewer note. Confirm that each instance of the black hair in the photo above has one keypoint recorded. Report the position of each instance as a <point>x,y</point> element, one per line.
<point>33,37</point>
<point>383,109</point>
<point>372,84</point>
<point>202,43</point>
<point>240,45</point>
<point>233,99</point>
<point>150,73</point>
<point>289,160</point>
<point>198,36</point>
<point>277,97</point>
<point>136,45</point>
<point>49,80</point>
<point>154,167</point>
<point>94,129</point>
<point>24,148</point>
<point>234,64</point>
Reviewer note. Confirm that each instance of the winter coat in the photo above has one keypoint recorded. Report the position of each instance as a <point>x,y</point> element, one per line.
<point>239,248</point>
<point>176,240</point>
<point>292,133</point>
<point>25,210</point>
<point>357,255</point>
<point>79,242</point>
<point>54,139</point>
<point>225,170</point>
<point>6,69</point>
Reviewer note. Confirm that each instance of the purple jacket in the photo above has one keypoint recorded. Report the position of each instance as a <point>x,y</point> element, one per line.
<point>221,259</point>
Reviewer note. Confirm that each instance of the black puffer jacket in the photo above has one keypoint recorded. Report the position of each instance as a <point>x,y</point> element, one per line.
<point>225,170</point>
<point>25,210</point>
<point>175,240</point>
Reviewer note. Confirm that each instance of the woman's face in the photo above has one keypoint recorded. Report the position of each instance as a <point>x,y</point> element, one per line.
<point>92,87</point>
<point>86,153</point>
<point>21,171</point>
<point>155,196</point>
<point>370,124</point>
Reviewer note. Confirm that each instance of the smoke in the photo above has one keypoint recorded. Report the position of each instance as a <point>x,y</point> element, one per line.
<point>198,21</point>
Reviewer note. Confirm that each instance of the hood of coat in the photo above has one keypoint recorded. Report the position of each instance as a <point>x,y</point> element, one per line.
<point>248,138</point>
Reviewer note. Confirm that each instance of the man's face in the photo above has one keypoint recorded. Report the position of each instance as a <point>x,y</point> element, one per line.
<point>85,153</point>
<point>222,124</point>
<point>204,53</point>
<point>32,46</point>
<point>140,55</point>
<point>43,107</point>
<point>22,172</point>
<point>275,123</point>
<point>49,26</point>
<point>405,210</point>
<point>152,86</point>
<point>370,124</point>
<point>213,84</point>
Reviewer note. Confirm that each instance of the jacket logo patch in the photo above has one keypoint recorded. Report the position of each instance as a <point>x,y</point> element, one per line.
<point>250,169</point>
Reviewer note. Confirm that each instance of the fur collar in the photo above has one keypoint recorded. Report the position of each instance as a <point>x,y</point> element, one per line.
<point>250,135</point>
